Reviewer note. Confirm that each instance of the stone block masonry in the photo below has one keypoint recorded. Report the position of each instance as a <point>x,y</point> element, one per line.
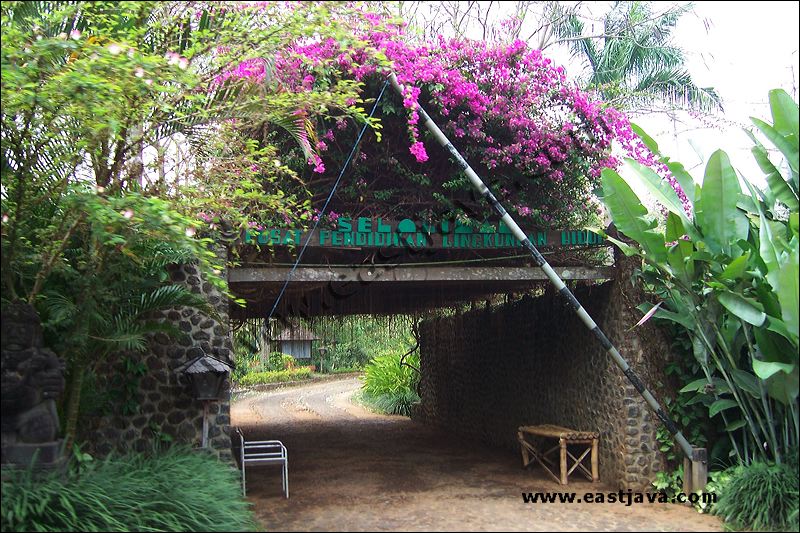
<point>162,405</point>
<point>532,361</point>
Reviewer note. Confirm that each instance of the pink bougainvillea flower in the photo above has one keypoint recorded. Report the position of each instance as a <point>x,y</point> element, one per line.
<point>519,112</point>
<point>418,151</point>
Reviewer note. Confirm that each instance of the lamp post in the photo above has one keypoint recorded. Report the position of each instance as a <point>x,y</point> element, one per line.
<point>322,351</point>
<point>206,374</point>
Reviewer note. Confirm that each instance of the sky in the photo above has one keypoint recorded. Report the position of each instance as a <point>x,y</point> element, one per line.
<point>742,49</point>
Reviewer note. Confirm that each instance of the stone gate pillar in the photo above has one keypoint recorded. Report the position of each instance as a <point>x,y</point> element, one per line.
<point>163,409</point>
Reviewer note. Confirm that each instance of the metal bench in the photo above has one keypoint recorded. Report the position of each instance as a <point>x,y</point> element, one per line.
<point>264,451</point>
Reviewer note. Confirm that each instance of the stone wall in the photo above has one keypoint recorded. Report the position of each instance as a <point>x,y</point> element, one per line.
<point>488,371</point>
<point>162,404</point>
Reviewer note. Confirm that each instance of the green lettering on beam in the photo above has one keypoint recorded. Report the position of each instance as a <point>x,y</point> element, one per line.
<point>364,224</point>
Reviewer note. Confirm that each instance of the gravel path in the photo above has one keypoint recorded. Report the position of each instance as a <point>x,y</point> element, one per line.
<point>352,470</point>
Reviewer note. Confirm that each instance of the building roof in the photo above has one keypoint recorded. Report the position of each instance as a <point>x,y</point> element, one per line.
<point>296,333</point>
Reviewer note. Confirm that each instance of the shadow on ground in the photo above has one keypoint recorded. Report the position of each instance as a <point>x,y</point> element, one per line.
<point>351,470</point>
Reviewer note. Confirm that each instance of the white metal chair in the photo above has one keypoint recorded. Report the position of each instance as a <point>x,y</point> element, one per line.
<point>264,451</point>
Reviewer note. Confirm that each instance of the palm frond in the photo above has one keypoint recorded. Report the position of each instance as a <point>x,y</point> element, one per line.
<point>165,297</point>
<point>133,336</point>
<point>676,86</point>
<point>58,307</point>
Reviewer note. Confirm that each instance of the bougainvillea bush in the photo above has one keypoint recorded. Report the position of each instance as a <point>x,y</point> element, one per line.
<point>539,140</point>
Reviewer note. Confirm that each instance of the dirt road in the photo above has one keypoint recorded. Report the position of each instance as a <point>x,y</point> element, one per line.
<point>352,470</point>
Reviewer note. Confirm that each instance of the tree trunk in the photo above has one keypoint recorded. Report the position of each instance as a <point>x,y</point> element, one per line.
<point>73,407</point>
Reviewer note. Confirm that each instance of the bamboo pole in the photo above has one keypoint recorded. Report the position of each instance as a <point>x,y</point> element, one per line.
<point>563,290</point>
<point>562,463</point>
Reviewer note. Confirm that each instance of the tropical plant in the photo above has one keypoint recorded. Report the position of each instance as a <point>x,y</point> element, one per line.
<point>87,229</point>
<point>633,62</point>
<point>175,490</point>
<point>760,497</point>
<point>99,294</point>
<point>390,381</point>
<point>727,273</point>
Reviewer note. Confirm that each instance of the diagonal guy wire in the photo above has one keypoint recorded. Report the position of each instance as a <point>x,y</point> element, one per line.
<point>327,201</point>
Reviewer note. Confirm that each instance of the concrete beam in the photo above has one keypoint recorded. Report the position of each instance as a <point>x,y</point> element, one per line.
<point>317,274</point>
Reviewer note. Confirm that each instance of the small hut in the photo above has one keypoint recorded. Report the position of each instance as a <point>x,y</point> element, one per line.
<point>295,341</point>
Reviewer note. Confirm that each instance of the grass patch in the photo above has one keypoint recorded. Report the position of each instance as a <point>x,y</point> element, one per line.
<point>275,376</point>
<point>346,370</point>
<point>399,403</point>
<point>760,497</point>
<point>389,385</point>
<point>175,490</point>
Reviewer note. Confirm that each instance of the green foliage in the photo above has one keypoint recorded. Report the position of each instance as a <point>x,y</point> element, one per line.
<point>670,483</point>
<point>384,374</point>
<point>281,361</point>
<point>728,278</point>
<point>353,341</point>
<point>760,497</point>
<point>346,370</point>
<point>389,383</point>
<point>346,355</point>
<point>634,62</point>
<point>177,490</point>
<point>399,403</point>
<point>275,376</point>
<point>246,359</point>
<point>128,385</point>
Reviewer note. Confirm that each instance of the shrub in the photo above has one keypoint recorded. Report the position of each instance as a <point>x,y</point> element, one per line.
<point>275,376</point>
<point>246,360</point>
<point>760,497</point>
<point>281,361</point>
<point>345,355</point>
<point>398,403</point>
<point>389,386</point>
<point>176,490</point>
<point>346,370</point>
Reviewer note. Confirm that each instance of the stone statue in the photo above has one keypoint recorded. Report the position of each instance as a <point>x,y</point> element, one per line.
<point>32,378</point>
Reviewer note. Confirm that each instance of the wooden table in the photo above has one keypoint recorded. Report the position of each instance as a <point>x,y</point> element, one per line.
<point>565,437</point>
